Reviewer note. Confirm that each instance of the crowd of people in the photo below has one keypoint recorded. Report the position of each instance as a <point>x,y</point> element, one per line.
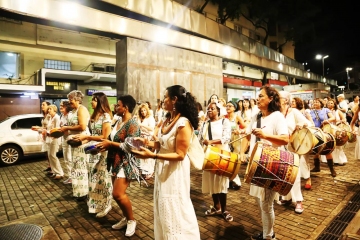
<point>99,164</point>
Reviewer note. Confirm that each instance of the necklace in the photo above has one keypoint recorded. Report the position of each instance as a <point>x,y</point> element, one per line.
<point>168,124</point>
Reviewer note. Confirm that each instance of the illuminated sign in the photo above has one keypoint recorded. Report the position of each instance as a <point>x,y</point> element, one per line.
<point>58,85</point>
<point>90,92</point>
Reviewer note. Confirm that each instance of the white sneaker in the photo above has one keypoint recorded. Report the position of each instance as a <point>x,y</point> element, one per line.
<point>120,224</point>
<point>104,212</point>
<point>130,229</point>
<point>67,181</point>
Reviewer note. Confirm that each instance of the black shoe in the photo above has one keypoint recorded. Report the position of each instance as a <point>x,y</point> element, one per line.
<point>48,169</point>
<point>49,174</point>
<point>259,236</point>
<point>234,186</point>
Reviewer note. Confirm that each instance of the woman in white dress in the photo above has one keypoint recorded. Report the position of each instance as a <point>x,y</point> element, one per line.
<point>338,153</point>
<point>246,112</point>
<point>174,214</point>
<point>217,132</point>
<point>272,130</point>
<point>299,104</point>
<point>78,124</point>
<point>147,125</point>
<point>295,120</point>
<point>100,184</point>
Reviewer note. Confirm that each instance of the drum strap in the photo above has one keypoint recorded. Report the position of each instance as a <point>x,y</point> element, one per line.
<point>258,124</point>
<point>209,129</point>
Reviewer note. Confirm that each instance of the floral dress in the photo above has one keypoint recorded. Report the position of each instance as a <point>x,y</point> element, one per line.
<point>118,158</point>
<point>79,170</point>
<point>100,184</point>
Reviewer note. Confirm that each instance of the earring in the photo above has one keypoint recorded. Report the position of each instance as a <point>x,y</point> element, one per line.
<point>174,109</point>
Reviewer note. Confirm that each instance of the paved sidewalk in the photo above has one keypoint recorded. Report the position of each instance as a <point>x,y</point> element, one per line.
<point>28,196</point>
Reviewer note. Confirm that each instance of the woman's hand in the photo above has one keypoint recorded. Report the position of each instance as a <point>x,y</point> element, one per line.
<point>258,132</point>
<point>143,153</point>
<point>104,145</point>
<point>207,142</point>
<point>64,128</point>
<point>80,137</point>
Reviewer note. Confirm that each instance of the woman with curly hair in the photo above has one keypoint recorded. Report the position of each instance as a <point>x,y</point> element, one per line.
<point>147,126</point>
<point>174,215</point>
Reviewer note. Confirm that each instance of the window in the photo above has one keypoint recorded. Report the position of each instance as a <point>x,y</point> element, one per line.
<point>26,123</point>
<point>9,65</point>
<point>238,28</point>
<point>55,64</point>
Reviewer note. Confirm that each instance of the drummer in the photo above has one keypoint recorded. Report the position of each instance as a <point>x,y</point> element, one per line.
<point>338,153</point>
<point>355,130</point>
<point>235,122</point>
<point>217,132</point>
<point>295,120</point>
<point>268,126</point>
<point>321,115</point>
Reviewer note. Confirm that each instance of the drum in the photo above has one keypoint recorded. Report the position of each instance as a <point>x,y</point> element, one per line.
<point>91,148</point>
<point>347,129</point>
<point>131,144</point>
<point>330,144</point>
<point>35,128</point>
<point>56,133</point>
<point>272,168</point>
<point>73,143</point>
<point>307,140</point>
<point>339,134</point>
<point>221,162</point>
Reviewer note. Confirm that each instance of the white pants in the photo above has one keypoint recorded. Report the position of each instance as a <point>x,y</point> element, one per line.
<point>295,193</point>
<point>53,159</point>
<point>66,148</point>
<point>339,155</point>
<point>267,213</point>
<point>304,166</point>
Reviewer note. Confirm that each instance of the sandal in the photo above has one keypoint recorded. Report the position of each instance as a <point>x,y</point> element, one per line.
<point>227,216</point>
<point>212,211</point>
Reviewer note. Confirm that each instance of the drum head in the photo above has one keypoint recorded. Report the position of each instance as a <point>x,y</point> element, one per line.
<point>302,141</point>
<point>74,143</point>
<point>131,143</point>
<point>56,133</point>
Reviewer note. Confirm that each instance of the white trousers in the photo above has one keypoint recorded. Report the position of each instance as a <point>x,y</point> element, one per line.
<point>295,193</point>
<point>304,166</point>
<point>53,159</point>
<point>66,148</point>
<point>267,213</point>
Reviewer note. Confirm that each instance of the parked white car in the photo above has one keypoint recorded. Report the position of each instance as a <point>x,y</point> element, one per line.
<point>17,139</point>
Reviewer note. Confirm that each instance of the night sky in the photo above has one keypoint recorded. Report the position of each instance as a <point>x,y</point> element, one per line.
<point>337,35</point>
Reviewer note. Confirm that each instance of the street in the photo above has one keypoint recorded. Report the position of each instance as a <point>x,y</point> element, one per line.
<point>29,196</point>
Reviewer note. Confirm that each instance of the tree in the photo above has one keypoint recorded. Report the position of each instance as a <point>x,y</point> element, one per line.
<point>227,9</point>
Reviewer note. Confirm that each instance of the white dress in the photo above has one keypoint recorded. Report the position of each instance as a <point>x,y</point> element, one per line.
<point>212,183</point>
<point>147,165</point>
<point>357,144</point>
<point>338,153</point>
<point>274,124</point>
<point>174,214</point>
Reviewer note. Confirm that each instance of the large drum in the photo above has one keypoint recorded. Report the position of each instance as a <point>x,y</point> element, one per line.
<point>272,168</point>
<point>340,134</point>
<point>330,144</point>
<point>347,129</point>
<point>221,162</point>
<point>307,140</point>
<point>56,133</point>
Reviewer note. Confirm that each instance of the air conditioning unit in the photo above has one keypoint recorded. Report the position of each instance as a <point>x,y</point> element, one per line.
<point>98,68</point>
<point>110,68</point>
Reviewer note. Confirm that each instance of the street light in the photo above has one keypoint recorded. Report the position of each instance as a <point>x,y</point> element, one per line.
<point>347,74</point>
<point>319,56</point>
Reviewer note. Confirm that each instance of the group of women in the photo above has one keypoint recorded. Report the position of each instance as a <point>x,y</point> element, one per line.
<point>271,121</point>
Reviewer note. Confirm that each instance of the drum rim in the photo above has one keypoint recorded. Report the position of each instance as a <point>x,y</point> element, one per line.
<point>311,137</point>
<point>250,169</point>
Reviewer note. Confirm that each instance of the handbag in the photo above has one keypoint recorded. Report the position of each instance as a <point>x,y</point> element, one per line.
<point>196,153</point>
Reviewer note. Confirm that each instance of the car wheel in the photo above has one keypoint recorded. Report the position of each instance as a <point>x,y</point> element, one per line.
<point>10,154</point>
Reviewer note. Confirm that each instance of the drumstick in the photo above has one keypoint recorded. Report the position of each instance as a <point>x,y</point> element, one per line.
<point>243,137</point>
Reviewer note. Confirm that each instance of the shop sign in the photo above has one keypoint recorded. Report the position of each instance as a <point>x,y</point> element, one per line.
<point>111,93</point>
<point>59,87</point>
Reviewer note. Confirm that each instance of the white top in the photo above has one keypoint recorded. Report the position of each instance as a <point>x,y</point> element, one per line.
<point>148,122</point>
<point>295,117</point>
<point>274,124</point>
<point>343,105</point>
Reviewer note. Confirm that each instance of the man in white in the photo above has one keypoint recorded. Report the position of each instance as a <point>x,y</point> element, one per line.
<point>342,103</point>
